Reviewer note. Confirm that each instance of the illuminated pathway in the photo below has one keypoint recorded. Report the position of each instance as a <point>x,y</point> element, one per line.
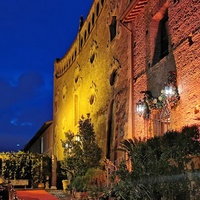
<point>35,195</point>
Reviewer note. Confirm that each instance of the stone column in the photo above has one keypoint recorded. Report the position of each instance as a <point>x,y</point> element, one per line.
<point>54,175</point>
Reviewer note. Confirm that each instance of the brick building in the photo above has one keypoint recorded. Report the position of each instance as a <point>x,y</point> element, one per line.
<point>126,51</point>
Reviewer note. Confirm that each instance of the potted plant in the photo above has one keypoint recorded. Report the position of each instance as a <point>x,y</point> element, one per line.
<point>81,152</point>
<point>95,181</point>
<point>78,187</point>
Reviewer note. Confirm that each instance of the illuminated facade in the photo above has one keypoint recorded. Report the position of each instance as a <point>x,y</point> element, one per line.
<point>123,52</point>
<point>165,41</point>
<point>93,77</point>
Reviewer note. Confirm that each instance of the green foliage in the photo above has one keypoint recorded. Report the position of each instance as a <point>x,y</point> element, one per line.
<point>158,166</point>
<point>91,151</point>
<point>78,183</point>
<point>95,179</point>
<point>31,166</point>
<point>82,154</point>
<point>73,160</point>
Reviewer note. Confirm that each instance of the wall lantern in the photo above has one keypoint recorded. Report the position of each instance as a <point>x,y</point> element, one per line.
<point>140,107</point>
<point>169,91</point>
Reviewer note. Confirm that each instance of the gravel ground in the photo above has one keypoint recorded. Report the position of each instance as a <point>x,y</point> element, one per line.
<point>60,194</point>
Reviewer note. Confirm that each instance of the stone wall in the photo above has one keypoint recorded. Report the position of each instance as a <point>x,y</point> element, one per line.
<point>93,78</point>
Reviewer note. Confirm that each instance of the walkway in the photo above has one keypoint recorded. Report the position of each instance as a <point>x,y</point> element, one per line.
<point>32,194</point>
<point>35,195</point>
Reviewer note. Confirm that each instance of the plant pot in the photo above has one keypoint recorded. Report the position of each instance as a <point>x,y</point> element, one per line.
<point>40,185</point>
<point>81,195</point>
<point>65,184</point>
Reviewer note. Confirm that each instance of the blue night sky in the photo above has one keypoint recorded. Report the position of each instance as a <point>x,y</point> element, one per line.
<point>33,33</point>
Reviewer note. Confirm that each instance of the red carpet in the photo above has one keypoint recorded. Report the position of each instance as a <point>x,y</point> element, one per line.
<point>35,195</point>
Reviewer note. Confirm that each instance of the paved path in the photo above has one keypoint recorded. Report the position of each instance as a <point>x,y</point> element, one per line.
<point>35,195</point>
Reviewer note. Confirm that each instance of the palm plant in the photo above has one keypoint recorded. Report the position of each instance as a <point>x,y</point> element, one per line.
<point>158,166</point>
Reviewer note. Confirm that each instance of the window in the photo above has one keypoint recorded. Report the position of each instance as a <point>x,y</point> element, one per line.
<point>110,131</point>
<point>76,116</point>
<point>161,40</point>
<point>164,37</point>
<point>93,19</point>
<point>89,28</point>
<point>85,35</point>
<point>112,27</point>
<point>97,9</point>
<point>176,1</point>
<point>41,145</point>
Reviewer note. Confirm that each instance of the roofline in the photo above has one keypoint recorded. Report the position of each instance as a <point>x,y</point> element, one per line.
<point>38,134</point>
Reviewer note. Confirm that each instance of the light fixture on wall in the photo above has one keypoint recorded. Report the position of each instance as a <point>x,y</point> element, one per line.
<point>142,106</point>
<point>169,91</point>
<point>169,96</point>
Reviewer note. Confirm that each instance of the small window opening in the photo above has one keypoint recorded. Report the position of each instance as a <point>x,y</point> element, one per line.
<point>162,41</point>
<point>112,27</point>
<point>89,28</point>
<point>176,1</point>
<point>85,35</point>
<point>92,58</point>
<point>97,9</point>
<point>93,19</point>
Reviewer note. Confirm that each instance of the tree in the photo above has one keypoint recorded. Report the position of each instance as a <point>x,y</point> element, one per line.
<point>81,152</point>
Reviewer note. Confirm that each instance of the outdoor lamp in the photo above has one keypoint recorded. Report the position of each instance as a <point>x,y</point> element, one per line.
<point>140,107</point>
<point>66,145</point>
<point>169,91</point>
<point>77,138</point>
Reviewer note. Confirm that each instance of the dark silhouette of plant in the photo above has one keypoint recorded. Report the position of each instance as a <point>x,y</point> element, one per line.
<point>161,167</point>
